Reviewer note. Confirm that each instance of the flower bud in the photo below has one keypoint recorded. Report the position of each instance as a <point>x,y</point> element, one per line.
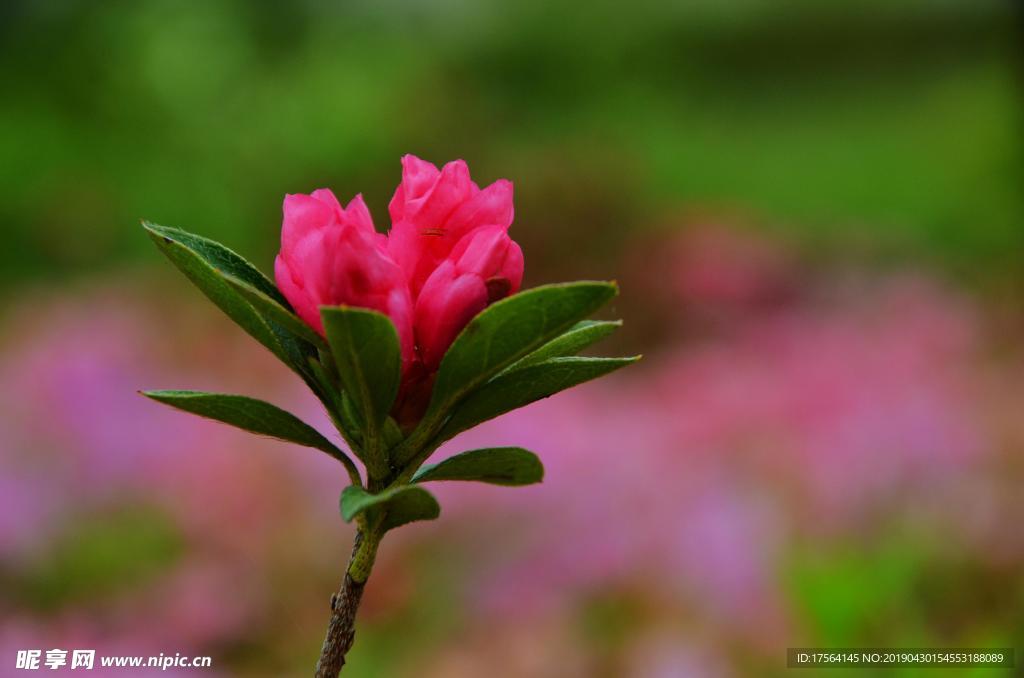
<point>332,256</point>
<point>485,266</point>
<point>433,210</point>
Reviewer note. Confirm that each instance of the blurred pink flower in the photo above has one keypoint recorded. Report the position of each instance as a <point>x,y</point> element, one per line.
<point>692,472</point>
<point>711,271</point>
<point>722,266</point>
<point>79,443</point>
<point>667,654</point>
<point>684,484</point>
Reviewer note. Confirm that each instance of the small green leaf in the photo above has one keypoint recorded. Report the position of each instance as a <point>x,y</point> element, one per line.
<point>255,416</point>
<point>392,433</point>
<point>577,338</point>
<point>409,507</point>
<point>274,311</point>
<point>495,465</point>
<point>220,258</point>
<point>510,329</point>
<point>522,387</point>
<point>401,505</point>
<point>355,500</point>
<point>364,344</point>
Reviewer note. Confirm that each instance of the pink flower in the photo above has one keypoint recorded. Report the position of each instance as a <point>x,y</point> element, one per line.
<point>332,256</point>
<point>432,210</point>
<point>447,256</point>
<point>485,266</point>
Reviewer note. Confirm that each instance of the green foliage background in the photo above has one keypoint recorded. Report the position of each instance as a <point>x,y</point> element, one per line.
<point>869,128</point>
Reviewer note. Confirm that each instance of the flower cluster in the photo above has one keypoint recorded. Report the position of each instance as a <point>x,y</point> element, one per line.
<point>365,319</point>
<point>447,256</point>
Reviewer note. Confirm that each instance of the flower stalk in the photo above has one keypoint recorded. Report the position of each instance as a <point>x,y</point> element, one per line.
<point>341,629</point>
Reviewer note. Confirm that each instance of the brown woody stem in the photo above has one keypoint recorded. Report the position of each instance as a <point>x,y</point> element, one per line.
<point>341,630</point>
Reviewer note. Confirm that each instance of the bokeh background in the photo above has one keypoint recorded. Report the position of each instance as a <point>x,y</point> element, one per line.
<point>815,213</point>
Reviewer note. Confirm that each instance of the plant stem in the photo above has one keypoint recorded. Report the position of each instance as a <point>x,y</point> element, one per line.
<point>344,604</point>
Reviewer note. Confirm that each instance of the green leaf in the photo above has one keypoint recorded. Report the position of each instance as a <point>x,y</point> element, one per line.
<point>220,258</point>
<point>577,338</point>
<point>251,415</point>
<point>213,285</point>
<point>521,387</point>
<point>391,433</point>
<point>409,507</point>
<point>274,311</point>
<point>364,344</point>
<point>394,507</point>
<point>327,388</point>
<point>296,353</point>
<point>205,263</point>
<point>495,465</point>
<point>510,329</point>
<point>337,404</point>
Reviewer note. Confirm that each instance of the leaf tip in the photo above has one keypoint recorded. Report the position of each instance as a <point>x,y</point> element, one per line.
<point>156,234</point>
<point>155,396</point>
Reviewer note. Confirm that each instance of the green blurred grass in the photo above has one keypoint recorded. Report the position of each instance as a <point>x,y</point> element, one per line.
<point>853,129</point>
